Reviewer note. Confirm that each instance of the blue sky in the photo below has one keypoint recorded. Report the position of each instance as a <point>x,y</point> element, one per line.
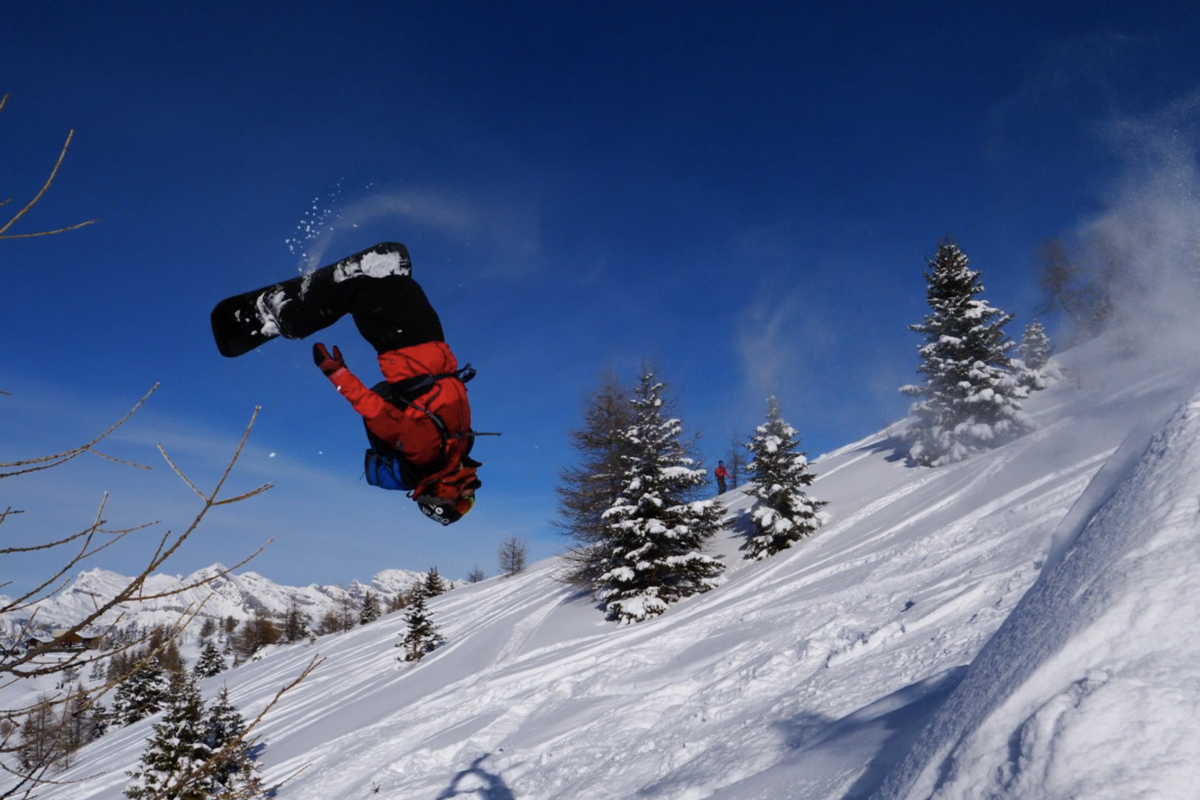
<point>745,195</point>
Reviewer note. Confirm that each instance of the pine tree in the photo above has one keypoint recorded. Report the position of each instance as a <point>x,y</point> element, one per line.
<point>586,491</point>
<point>1036,368</point>
<point>784,514</point>
<point>422,635</point>
<point>654,531</point>
<point>173,764</point>
<point>970,401</point>
<point>434,585</point>
<point>370,610</point>
<point>234,772</point>
<point>210,662</point>
<point>141,694</point>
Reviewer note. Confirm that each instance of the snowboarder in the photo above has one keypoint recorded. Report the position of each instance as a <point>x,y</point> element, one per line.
<point>721,474</point>
<point>418,420</point>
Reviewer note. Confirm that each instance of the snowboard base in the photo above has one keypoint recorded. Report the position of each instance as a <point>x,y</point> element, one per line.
<point>245,321</point>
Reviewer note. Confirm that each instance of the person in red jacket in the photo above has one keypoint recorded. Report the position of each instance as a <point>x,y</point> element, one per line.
<point>721,474</point>
<point>418,419</point>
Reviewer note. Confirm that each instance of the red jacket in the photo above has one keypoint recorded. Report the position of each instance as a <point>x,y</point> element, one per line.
<point>409,429</point>
<point>722,472</point>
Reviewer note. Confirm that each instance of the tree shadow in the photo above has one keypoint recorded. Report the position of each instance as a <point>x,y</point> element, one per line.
<point>493,787</point>
<point>741,526</point>
<point>894,446</point>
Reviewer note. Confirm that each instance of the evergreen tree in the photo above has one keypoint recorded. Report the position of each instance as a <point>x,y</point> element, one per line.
<point>784,514</point>
<point>433,585</point>
<point>210,662</point>
<point>422,635</point>
<point>370,609</point>
<point>1036,368</point>
<point>234,772</point>
<point>586,491</point>
<point>970,401</point>
<point>173,764</point>
<point>141,694</point>
<point>654,531</point>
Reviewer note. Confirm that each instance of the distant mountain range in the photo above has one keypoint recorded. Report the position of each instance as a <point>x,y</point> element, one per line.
<point>229,595</point>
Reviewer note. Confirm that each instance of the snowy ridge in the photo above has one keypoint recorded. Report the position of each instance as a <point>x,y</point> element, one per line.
<point>1091,643</point>
<point>812,673</point>
<point>239,596</point>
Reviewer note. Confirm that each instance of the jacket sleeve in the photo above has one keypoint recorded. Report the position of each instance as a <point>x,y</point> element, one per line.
<point>365,402</point>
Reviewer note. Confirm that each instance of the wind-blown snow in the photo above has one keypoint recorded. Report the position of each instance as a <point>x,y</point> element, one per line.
<point>810,674</point>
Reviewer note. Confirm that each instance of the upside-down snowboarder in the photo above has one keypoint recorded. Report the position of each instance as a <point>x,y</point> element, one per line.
<point>418,419</point>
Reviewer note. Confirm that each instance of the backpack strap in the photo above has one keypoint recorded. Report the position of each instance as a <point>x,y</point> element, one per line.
<point>403,393</point>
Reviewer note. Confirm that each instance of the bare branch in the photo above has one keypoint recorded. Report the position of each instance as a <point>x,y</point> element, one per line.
<point>179,472</point>
<point>53,173</point>
<point>74,227</point>
<point>46,462</point>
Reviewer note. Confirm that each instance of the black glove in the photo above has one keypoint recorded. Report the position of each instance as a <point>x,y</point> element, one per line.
<point>328,364</point>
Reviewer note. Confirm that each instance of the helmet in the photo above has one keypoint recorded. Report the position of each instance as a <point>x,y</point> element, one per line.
<point>444,510</point>
<point>449,495</point>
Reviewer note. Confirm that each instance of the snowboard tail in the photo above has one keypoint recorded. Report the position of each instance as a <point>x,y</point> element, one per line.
<point>245,321</point>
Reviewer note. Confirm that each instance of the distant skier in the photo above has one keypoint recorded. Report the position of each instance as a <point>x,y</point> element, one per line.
<point>418,419</point>
<point>721,474</point>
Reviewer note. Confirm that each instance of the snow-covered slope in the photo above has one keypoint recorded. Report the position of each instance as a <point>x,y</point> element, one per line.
<point>809,675</point>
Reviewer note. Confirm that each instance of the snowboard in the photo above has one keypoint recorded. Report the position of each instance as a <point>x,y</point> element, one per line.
<point>244,321</point>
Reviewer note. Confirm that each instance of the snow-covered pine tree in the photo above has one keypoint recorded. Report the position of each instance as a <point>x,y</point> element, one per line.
<point>1037,370</point>
<point>434,585</point>
<point>655,532</point>
<point>370,610</point>
<point>210,662</point>
<point>173,764</point>
<point>141,694</point>
<point>422,635</point>
<point>784,514</point>
<point>970,401</point>
<point>234,771</point>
